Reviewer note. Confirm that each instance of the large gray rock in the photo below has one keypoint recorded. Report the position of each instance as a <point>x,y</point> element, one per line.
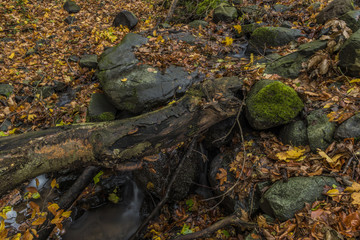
<point>271,103</point>
<point>224,12</point>
<point>273,36</point>
<point>349,55</point>
<point>352,19</point>
<point>71,7</point>
<point>295,133</point>
<point>320,131</point>
<point>6,89</point>
<point>100,109</point>
<point>350,128</point>
<point>125,18</point>
<point>290,65</point>
<point>334,9</point>
<point>120,58</point>
<point>284,199</point>
<point>89,61</point>
<point>198,23</point>
<point>144,87</point>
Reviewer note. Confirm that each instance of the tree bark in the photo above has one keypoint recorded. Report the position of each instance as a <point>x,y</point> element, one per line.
<point>121,144</point>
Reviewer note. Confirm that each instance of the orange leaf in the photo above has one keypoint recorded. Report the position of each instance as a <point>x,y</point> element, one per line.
<point>53,208</point>
<point>38,221</point>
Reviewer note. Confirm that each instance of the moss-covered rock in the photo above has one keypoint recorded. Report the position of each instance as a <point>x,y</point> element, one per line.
<point>352,19</point>
<point>224,12</point>
<point>271,103</point>
<point>100,109</point>
<point>349,55</point>
<point>320,131</point>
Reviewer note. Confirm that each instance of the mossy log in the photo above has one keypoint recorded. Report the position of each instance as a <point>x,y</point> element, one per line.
<point>120,144</point>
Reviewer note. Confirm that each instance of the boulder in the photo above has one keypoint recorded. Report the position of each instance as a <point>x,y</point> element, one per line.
<point>349,55</point>
<point>352,19</point>
<point>334,9</point>
<point>289,66</point>
<point>6,89</point>
<point>283,199</point>
<point>125,18</point>
<point>224,12</point>
<point>120,57</point>
<point>320,131</point>
<point>273,36</point>
<point>89,61</point>
<point>100,109</point>
<point>294,133</point>
<point>143,87</point>
<point>271,103</point>
<point>349,129</point>
<point>198,23</point>
<point>71,7</point>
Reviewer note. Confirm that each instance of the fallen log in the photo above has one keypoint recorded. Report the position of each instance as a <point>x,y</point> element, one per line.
<point>119,144</point>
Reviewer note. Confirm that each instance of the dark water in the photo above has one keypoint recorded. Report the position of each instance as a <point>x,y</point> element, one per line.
<point>116,222</point>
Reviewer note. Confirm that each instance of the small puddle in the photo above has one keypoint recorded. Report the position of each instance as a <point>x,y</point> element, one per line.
<point>116,222</point>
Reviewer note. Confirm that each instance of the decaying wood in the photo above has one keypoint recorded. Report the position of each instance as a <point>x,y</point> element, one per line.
<point>120,144</point>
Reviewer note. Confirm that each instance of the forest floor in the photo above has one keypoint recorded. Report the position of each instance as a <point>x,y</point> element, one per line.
<point>35,49</point>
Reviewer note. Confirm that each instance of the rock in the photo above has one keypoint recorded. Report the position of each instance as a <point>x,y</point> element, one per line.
<point>349,55</point>
<point>352,19</point>
<point>281,8</point>
<point>45,91</point>
<point>6,89</point>
<point>71,7</point>
<point>5,125</point>
<point>320,131</point>
<point>165,25</point>
<point>248,29</point>
<point>183,36</point>
<point>198,23</point>
<point>144,87</point>
<point>295,133</point>
<point>271,103</point>
<point>273,36</point>
<point>100,109</point>
<point>74,58</point>
<point>224,12</point>
<point>315,6</point>
<point>286,24</point>
<point>155,176</point>
<point>89,61</point>
<point>283,199</point>
<point>289,66</point>
<point>349,129</point>
<point>59,86</point>
<point>251,10</point>
<point>334,9</point>
<point>120,57</point>
<point>70,19</point>
<point>75,28</point>
<point>125,18</point>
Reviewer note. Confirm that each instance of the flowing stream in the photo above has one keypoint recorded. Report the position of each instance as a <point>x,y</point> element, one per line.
<point>116,222</point>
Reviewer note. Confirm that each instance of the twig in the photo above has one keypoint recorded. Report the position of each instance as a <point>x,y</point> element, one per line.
<point>232,219</point>
<point>167,193</point>
<point>171,10</point>
<point>347,165</point>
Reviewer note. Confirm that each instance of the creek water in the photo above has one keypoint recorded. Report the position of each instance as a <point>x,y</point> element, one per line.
<point>116,222</point>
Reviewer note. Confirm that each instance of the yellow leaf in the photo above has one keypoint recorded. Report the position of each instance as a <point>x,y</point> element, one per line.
<point>54,184</point>
<point>356,198</point>
<point>238,28</point>
<point>31,117</point>
<point>355,187</point>
<point>294,153</point>
<point>333,192</point>
<point>356,80</point>
<point>228,41</point>
<point>332,161</point>
<point>150,185</point>
<point>53,208</point>
<point>38,221</point>
<point>66,214</point>
<point>328,105</point>
<point>12,55</point>
<point>154,33</point>
<point>124,79</point>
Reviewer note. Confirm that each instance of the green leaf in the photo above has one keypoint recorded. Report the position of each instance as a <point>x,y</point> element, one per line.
<point>36,195</point>
<point>190,203</point>
<point>186,229</point>
<point>97,177</point>
<point>2,134</point>
<point>113,198</point>
<point>226,233</point>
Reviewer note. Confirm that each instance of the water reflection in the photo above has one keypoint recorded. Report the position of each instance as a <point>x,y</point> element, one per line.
<point>116,222</point>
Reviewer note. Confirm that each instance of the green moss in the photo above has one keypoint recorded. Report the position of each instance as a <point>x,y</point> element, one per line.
<point>276,102</point>
<point>106,116</point>
<point>202,8</point>
<point>263,35</point>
